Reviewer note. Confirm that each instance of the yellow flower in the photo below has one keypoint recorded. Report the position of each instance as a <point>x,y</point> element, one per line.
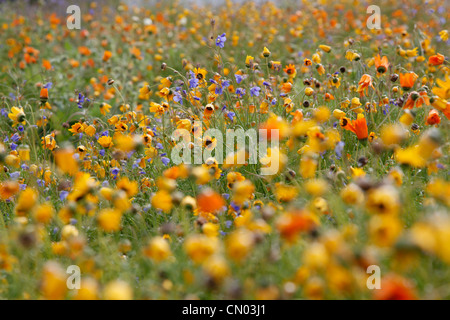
<point>383,200</point>
<point>443,89</point>
<point>90,130</point>
<point>105,108</point>
<point>49,141</point>
<point>266,52</point>
<point>17,116</point>
<point>325,48</point>
<point>239,244</point>
<point>200,247</point>
<point>249,60</point>
<point>44,213</point>
<point>65,161</point>
<point>216,267</point>
<point>285,193</point>
<point>118,290</point>
<point>130,187</point>
<point>158,249</point>
<point>105,141</point>
<point>53,282</point>
<point>26,201</point>
<point>110,220</point>
<point>384,229</point>
<point>352,194</point>
<point>162,200</point>
<point>89,289</point>
<point>338,114</point>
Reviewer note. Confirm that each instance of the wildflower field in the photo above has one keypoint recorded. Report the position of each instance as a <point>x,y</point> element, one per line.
<point>356,116</point>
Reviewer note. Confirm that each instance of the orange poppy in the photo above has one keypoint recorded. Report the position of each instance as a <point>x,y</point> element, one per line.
<point>381,64</point>
<point>44,94</point>
<point>107,55</point>
<point>417,100</point>
<point>433,118</point>
<point>46,64</point>
<point>407,80</point>
<point>395,288</point>
<point>364,84</point>
<point>436,59</point>
<point>210,201</point>
<point>358,126</point>
<point>84,51</point>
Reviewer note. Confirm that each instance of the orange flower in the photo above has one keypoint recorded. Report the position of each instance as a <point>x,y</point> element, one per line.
<point>358,126</point>
<point>395,288</point>
<point>436,60</point>
<point>44,94</point>
<point>46,64</point>
<point>107,55</point>
<point>210,201</point>
<point>364,84</point>
<point>8,189</point>
<point>84,51</point>
<point>416,99</point>
<point>291,224</point>
<point>290,70</point>
<point>433,118</point>
<point>136,53</point>
<point>381,64</point>
<point>407,80</point>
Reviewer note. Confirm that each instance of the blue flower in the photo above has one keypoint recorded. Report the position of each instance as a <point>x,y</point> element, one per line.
<point>255,91</point>
<point>231,115</point>
<point>339,148</point>
<point>63,195</point>
<point>240,92</point>
<point>239,78</point>
<point>15,175</point>
<point>15,137</point>
<point>177,97</point>
<point>220,41</point>
<point>165,160</point>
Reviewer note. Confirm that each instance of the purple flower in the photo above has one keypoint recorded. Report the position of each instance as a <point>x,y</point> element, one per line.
<point>165,160</point>
<point>15,137</point>
<point>231,115</point>
<point>177,97</point>
<point>220,41</point>
<point>255,91</point>
<point>63,195</point>
<point>239,78</point>
<point>338,149</point>
<point>193,81</point>
<point>240,92</point>
<point>15,175</point>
